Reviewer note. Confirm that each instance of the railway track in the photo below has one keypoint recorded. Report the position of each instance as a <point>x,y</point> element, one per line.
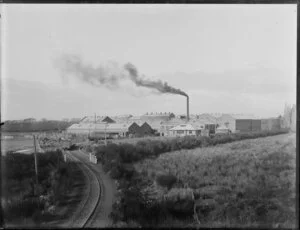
<point>89,208</point>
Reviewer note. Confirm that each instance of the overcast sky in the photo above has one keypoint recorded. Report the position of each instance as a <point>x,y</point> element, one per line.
<point>227,58</point>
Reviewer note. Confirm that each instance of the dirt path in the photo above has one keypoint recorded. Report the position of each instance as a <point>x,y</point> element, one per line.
<point>100,217</point>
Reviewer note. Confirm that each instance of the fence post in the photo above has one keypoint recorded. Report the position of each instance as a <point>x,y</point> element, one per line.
<point>65,156</point>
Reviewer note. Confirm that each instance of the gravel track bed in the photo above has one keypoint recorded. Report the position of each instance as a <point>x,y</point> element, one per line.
<point>87,207</point>
<point>100,218</point>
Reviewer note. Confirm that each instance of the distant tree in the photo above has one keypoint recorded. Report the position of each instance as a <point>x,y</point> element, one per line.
<point>287,115</point>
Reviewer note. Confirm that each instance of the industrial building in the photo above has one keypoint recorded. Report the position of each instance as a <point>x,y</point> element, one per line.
<point>271,124</point>
<point>204,122</point>
<point>98,129</point>
<point>206,118</point>
<point>110,130</point>
<point>96,119</point>
<point>136,130</point>
<point>165,126</point>
<point>239,122</point>
<point>185,130</point>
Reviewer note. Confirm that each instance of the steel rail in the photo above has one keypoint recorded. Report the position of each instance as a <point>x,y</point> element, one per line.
<point>93,200</point>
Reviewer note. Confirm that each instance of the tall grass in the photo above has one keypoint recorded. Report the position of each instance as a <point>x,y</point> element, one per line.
<point>247,184</point>
<point>118,160</point>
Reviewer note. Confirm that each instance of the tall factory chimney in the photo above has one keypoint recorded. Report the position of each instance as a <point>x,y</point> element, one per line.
<point>187,109</point>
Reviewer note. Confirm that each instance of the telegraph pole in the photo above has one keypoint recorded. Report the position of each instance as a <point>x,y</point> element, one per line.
<point>35,163</point>
<point>105,133</point>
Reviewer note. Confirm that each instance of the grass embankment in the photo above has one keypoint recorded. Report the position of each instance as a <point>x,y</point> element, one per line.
<point>139,201</point>
<point>26,205</point>
<point>250,183</point>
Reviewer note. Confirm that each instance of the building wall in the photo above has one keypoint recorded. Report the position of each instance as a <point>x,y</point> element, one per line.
<point>248,125</point>
<point>243,125</point>
<point>182,133</point>
<point>146,129</point>
<point>78,131</point>
<point>165,129</point>
<point>228,121</point>
<point>135,129</point>
<point>265,124</point>
<point>271,124</point>
<point>256,125</point>
<point>275,124</point>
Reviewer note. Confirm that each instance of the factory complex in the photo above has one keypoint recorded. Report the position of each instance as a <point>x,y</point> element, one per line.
<point>168,124</point>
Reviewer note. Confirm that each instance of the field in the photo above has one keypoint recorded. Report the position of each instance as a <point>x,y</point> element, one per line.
<point>246,183</point>
<point>16,144</point>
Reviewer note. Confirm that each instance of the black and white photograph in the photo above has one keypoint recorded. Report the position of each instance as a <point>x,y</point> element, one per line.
<point>148,115</point>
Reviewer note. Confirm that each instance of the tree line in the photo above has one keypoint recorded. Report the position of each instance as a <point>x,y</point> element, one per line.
<point>37,126</point>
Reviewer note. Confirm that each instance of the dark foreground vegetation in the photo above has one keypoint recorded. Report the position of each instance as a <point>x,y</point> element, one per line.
<point>27,205</point>
<point>139,200</point>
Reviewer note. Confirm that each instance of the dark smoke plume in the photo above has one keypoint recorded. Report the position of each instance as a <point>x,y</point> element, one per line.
<point>159,85</point>
<point>110,75</point>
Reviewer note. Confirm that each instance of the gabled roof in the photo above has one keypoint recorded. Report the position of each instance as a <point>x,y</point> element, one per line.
<point>91,119</point>
<point>121,118</point>
<point>112,126</point>
<point>155,124</point>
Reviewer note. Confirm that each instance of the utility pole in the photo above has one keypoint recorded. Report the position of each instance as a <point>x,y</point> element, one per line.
<point>35,163</point>
<point>105,133</point>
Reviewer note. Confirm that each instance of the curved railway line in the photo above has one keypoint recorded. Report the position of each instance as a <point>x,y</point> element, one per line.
<point>89,208</point>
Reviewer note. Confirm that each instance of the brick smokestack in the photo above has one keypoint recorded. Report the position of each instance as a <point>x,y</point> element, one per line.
<point>187,109</point>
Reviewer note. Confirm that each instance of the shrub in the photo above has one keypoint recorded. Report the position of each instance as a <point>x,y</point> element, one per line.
<point>166,180</point>
<point>73,147</point>
<point>128,153</point>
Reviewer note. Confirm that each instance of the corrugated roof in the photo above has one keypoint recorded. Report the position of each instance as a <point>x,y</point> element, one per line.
<point>185,127</point>
<point>108,127</point>
<point>239,116</point>
<point>82,126</point>
<point>244,116</point>
<point>206,118</point>
<point>174,121</point>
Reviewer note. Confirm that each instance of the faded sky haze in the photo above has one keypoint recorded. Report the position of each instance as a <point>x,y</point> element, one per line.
<point>227,58</point>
